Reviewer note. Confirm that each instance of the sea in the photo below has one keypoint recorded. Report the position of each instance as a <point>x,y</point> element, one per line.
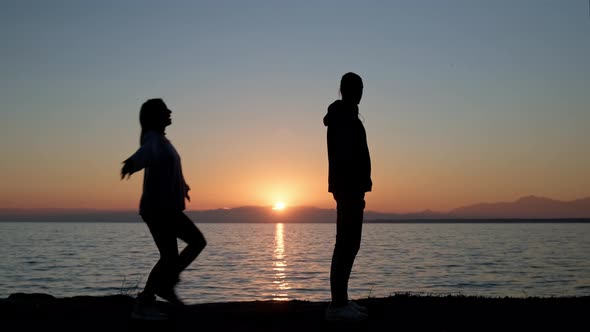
<point>276,261</point>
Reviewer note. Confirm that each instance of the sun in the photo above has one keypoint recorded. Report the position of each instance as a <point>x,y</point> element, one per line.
<point>279,206</point>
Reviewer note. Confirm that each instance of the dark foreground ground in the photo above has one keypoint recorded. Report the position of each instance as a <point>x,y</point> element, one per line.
<point>40,312</point>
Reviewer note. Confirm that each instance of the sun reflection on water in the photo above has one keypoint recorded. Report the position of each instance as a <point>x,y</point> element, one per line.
<point>280,266</point>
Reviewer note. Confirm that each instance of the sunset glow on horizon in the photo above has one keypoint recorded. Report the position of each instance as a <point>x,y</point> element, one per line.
<point>464,101</point>
<point>279,206</point>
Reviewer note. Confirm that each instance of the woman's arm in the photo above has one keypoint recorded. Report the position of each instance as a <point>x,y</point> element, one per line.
<point>139,160</point>
<point>187,188</point>
<point>128,168</point>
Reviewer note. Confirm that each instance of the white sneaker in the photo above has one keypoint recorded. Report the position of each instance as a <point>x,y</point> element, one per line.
<point>359,308</point>
<point>345,314</point>
<point>147,312</point>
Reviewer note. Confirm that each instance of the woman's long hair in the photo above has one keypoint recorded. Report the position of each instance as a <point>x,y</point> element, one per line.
<point>149,116</point>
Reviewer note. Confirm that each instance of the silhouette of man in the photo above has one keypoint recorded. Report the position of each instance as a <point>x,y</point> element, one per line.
<point>349,179</point>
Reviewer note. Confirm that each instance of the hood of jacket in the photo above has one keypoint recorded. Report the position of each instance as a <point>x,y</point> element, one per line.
<point>340,111</point>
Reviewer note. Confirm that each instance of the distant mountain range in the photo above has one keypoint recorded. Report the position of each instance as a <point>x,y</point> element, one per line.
<point>529,207</point>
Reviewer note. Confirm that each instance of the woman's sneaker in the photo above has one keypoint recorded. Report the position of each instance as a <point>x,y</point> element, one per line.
<point>170,296</point>
<point>345,314</point>
<point>147,311</point>
<point>359,308</point>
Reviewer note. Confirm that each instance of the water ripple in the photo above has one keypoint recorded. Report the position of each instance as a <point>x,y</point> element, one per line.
<point>292,261</point>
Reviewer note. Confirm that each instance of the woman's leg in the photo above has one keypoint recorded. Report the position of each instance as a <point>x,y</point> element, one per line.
<point>188,232</point>
<point>165,240</point>
<point>349,225</point>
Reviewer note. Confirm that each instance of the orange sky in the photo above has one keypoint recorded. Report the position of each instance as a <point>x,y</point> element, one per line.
<point>458,108</point>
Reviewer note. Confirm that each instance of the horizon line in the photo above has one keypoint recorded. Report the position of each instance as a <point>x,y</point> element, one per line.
<point>270,206</point>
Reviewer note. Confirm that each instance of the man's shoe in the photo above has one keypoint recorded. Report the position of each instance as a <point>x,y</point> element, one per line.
<point>359,308</point>
<point>345,314</point>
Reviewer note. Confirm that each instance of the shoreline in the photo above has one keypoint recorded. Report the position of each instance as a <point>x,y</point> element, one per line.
<point>458,220</point>
<point>401,312</point>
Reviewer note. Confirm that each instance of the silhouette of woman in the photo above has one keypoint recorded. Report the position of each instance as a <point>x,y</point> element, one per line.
<point>349,179</point>
<point>161,207</point>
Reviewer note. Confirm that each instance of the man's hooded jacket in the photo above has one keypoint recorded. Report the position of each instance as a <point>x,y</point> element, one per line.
<point>348,152</point>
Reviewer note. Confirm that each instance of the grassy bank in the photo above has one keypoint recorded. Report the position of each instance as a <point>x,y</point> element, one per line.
<point>402,312</point>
